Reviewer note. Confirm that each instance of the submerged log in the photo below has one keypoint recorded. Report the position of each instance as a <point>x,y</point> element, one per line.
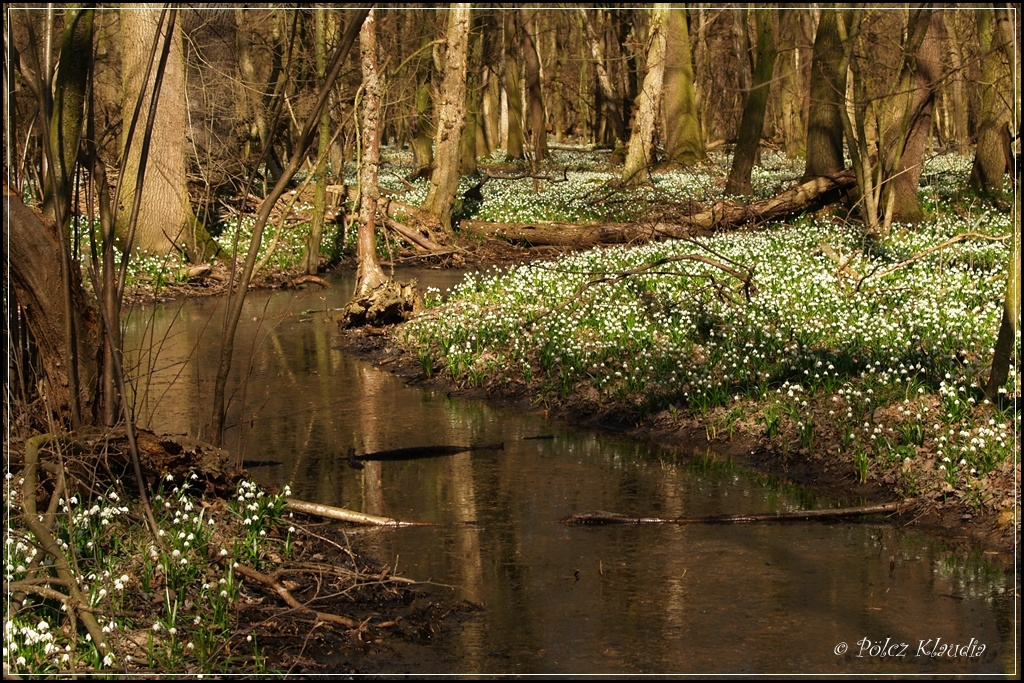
<point>416,453</point>
<point>808,195</point>
<point>599,517</point>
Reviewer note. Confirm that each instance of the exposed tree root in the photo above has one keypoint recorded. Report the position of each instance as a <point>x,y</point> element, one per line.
<point>388,304</point>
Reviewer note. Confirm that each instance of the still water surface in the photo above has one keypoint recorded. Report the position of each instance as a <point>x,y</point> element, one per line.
<point>558,599</point>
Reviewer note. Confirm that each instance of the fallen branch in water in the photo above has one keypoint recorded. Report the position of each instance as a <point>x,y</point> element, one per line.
<point>351,516</point>
<point>598,517</point>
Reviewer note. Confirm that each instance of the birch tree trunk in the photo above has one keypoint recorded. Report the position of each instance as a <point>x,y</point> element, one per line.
<point>369,274</point>
<point>639,154</point>
<point>444,182</point>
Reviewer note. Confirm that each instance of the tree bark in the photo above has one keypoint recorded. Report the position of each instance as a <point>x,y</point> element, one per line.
<point>639,154</point>
<point>958,133</point>
<point>535,101</point>
<point>1002,355</point>
<point>603,79</point>
<point>422,143</point>
<point>752,124</point>
<point>927,73</point>
<point>514,143</point>
<point>684,139</point>
<point>165,221</point>
<point>468,143</point>
<point>66,118</point>
<point>791,90</point>
<point>369,274</point>
<point>311,259</point>
<point>34,254</point>
<point>989,169</point>
<point>827,95</point>
<point>444,182</point>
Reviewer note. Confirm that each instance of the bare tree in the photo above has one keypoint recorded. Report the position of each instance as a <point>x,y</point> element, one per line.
<point>535,101</point>
<point>298,157</point>
<point>752,124</point>
<point>444,182</point>
<point>827,97</point>
<point>155,169</point>
<point>639,153</point>
<point>369,275</point>
<point>990,163</point>
<point>684,138</point>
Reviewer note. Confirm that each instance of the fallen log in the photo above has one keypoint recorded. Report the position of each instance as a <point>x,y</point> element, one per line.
<point>351,516</point>
<point>599,517</point>
<point>808,195</point>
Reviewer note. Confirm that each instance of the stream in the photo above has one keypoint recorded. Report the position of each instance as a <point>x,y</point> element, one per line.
<point>826,598</point>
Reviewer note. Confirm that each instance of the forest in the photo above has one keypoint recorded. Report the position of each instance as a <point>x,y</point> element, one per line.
<point>787,232</point>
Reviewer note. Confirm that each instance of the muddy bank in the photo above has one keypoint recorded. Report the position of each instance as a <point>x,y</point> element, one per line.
<point>827,470</point>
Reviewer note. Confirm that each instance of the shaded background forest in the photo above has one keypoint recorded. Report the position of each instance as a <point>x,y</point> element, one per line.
<point>152,127</point>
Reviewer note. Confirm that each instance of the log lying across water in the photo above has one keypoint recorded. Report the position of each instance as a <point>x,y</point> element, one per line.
<point>599,517</point>
<point>351,516</point>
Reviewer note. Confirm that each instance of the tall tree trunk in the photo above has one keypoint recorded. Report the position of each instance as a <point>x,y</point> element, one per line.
<point>956,102</point>
<point>752,123</point>
<point>535,101</point>
<point>369,274</point>
<point>603,79</point>
<point>556,44</point>
<point>828,96</point>
<point>926,73</point>
<point>1003,354</point>
<point>311,260</point>
<point>444,182</point>
<point>165,221</point>
<point>684,139</point>
<point>468,144</point>
<point>66,118</point>
<point>423,143</point>
<point>791,32</point>
<point>989,169</point>
<point>639,155</point>
<point>514,143</point>
<point>492,110</point>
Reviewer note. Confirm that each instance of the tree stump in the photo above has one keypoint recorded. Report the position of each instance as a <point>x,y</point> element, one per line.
<point>389,304</point>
